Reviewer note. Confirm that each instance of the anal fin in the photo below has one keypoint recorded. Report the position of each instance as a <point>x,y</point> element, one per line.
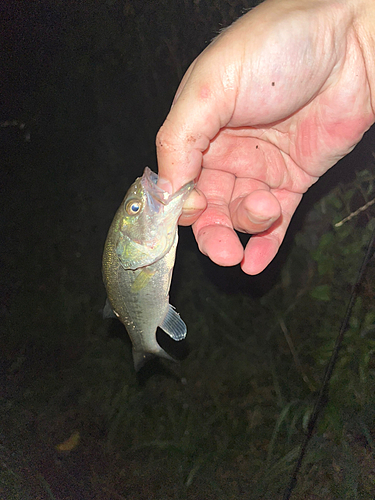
<point>173,325</point>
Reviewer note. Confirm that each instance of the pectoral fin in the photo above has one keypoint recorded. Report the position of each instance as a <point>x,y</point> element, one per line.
<point>173,325</point>
<point>142,279</point>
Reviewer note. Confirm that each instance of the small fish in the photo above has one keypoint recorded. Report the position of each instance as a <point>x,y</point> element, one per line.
<point>138,261</point>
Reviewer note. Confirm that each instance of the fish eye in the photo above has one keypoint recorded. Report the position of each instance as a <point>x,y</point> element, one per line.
<point>132,207</point>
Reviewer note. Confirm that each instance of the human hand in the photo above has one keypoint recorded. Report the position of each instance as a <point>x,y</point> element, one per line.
<point>261,114</point>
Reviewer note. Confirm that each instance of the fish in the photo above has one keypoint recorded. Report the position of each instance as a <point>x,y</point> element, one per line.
<point>138,260</point>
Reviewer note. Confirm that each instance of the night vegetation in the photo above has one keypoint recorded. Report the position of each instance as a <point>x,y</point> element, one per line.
<point>93,81</point>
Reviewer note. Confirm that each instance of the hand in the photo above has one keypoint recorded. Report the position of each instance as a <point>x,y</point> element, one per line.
<point>276,100</point>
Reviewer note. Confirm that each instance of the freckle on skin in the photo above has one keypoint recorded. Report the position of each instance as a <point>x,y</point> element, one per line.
<point>190,139</point>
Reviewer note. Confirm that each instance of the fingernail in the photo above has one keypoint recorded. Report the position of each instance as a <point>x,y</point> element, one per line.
<point>195,202</point>
<point>259,219</point>
<point>165,185</point>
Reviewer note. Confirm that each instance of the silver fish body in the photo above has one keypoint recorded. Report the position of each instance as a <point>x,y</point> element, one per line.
<point>138,260</point>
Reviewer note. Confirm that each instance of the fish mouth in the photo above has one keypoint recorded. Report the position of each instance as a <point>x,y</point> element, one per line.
<point>161,213</point>
<point>149,182</point>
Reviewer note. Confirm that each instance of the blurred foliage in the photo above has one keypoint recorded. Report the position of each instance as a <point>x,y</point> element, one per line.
<point>225,423</point>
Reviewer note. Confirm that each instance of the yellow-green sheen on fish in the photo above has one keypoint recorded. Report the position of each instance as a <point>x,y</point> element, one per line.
<point>138,261</point>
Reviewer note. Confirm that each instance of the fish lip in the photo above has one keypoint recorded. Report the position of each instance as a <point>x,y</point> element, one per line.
<point>149,182</point>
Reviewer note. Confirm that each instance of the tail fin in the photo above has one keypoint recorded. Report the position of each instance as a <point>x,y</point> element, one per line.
<point>140,358</point>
